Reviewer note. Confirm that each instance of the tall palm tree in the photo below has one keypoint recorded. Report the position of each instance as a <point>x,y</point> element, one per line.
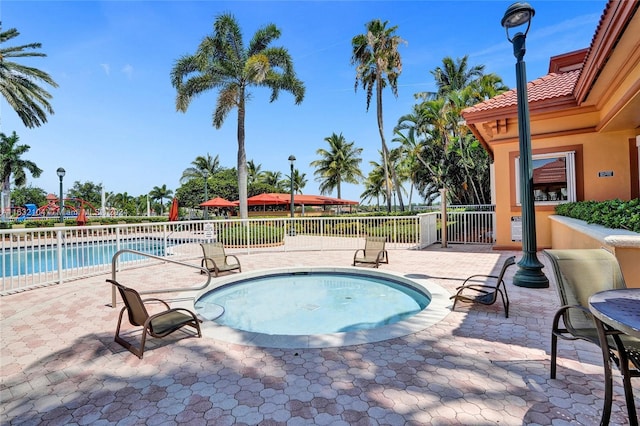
<point>222,62</point>
<point>378,64</point>
<point>200,167</point>
<point>19,84</point>
<point>12,164</point>
<point>341,163</point>
<point>455,75</point>
<point>160,193</point>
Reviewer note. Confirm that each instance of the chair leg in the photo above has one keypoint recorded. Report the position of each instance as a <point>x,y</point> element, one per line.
<point>626,381</point>
<point>608,379</point>
<point>128,346</point>
<point>554,351</point>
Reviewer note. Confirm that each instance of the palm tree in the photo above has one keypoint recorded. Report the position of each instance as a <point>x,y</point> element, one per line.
<point>19,83</point>
<point>273,179</point>
<point>455,75</point>
<point>341,163</point>
<point>201,167</point>
<point>378,64</point>
<point>254,172</point>
<point>299,181</point>
<point>222,62</point>
<point>160,193</point>
<point>11,164</point>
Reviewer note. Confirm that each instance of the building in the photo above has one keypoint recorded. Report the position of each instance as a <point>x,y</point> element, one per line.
<point>585,128</point>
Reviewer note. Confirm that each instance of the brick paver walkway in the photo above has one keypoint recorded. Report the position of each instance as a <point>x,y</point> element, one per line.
<point>60,365</point>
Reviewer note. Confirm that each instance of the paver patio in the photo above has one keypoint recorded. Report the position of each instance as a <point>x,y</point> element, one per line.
<point>60,365</point>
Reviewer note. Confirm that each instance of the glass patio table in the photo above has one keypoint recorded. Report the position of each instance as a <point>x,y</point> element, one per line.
<point>617,312</point>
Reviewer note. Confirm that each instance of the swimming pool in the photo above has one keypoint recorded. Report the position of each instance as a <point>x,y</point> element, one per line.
<point>30,260</point>
<point>318,307</point>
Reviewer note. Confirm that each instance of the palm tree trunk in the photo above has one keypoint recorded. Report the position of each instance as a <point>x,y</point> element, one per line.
<point>385,151</point>
<point>242,159</point>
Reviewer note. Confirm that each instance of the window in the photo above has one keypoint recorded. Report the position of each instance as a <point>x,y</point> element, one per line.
<point>554,178</point>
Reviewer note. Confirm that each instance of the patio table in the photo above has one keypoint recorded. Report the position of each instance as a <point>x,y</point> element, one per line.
<point>617,312</point>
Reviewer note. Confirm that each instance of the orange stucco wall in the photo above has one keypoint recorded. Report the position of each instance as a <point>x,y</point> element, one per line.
<point>566,236</point>
<point>599,152</point>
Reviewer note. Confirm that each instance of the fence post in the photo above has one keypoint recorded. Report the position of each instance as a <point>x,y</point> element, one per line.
<point>443,217</point>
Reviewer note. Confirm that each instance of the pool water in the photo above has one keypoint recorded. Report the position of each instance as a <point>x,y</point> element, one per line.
<point>32,260</point>
<point>311,303</point>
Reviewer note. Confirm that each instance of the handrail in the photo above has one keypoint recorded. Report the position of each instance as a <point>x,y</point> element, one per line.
<point>162,259</point>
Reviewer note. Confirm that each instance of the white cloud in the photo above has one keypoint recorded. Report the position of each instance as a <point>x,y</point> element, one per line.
<point>106,68</point>
<point>128,70</point>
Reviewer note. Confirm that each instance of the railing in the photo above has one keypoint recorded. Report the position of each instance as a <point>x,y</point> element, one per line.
<point>42,256</point>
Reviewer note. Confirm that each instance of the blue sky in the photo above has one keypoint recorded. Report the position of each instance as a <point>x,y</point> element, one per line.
<point>115,121</point>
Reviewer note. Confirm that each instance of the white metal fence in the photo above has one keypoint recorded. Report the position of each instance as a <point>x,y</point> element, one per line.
<point>40,256</point>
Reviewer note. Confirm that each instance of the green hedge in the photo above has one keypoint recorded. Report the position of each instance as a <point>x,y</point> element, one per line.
<point>616,214</point>
<point>236,234</point>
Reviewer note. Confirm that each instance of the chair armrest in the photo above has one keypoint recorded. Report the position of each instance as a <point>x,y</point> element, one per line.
<point>495,277</point>
<point>154,299</point>
<point>234,257</point>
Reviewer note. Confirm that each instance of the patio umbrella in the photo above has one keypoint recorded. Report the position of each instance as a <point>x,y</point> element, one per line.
<point>81,220</point>
<point>218,202</point>
<point>268,199</point>
<point>173,212</point>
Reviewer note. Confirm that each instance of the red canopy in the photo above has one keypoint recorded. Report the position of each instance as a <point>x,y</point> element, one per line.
<point>267,199</point>
<point>217,202</point>
<point>173,212</point>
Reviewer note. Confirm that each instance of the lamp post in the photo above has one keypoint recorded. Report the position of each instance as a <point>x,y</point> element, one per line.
<point>530,272</point>
<point>61,172</point>
<point>206,196</point>
<point>291,160</point>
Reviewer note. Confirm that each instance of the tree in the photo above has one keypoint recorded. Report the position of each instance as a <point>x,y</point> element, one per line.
<point>19,84</point>
<point>160,193</point>
<point>12,164</point>
<point>200,167</point>
<point>29,195</point>
<point>299,182</point>
<point>341,163</point>
<point>222,62</point>
<point>378,64</point>
<point>273,179</point>
<point>254,173</point>
<point>87,191</point>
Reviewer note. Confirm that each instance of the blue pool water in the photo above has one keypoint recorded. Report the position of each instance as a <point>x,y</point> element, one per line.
<point>311,303</point>
<point>30,260</point>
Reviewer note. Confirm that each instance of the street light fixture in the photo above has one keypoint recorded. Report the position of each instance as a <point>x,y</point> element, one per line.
<point>292,159</point>
<point>530,272</point>
<point>206,196</point>
<point>61,172</point>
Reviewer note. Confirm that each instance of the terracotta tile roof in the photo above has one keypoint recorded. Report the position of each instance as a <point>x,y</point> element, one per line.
<point>550,86</point>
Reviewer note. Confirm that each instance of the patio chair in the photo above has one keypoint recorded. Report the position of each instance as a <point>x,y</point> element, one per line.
<point>158,325</point>
<point>486,290</point>
<point>373,253</point>
<point>579,273</point>
<point>215,259</point>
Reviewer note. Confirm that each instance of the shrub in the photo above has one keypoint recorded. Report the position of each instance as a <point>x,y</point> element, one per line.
<point>616,214</point>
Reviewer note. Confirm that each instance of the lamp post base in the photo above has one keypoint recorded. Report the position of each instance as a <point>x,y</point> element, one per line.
<point>530,274</point>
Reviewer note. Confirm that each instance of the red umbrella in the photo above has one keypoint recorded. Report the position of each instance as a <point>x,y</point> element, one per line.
<point>268,199</point>
<point>218,202</point>
<point>173,212</point>
<point>81,220</point>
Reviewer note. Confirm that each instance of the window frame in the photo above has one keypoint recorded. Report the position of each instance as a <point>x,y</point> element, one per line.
<point>571,175</point>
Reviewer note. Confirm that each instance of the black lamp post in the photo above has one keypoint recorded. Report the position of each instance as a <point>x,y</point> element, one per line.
<point>530,272</point>
<point>291,160</point>
<point>61,172</point>
<point>293,229</point>
<point>206,196</point>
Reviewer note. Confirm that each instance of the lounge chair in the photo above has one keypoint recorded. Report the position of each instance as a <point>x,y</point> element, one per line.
<point>373,253</point>
<point>215,259</point>
<point>158,325</point>
<point>487,290</point>
<point>579,273</point>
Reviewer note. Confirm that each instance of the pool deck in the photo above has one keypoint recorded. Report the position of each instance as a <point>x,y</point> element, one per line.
<point>60,365</point>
